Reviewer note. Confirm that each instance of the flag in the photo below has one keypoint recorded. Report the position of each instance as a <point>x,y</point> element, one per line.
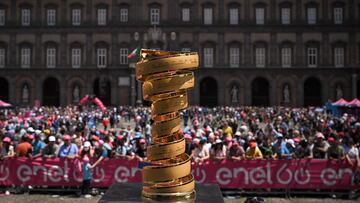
<point>135,52</point>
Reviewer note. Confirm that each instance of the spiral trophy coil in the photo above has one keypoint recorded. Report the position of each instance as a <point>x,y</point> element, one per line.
<point>166,77</point>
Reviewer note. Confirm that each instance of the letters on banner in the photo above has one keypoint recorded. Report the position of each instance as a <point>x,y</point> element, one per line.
<point>248,174</point>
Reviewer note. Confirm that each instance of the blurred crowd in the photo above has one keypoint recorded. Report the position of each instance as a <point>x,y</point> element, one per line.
<point>220,133</point>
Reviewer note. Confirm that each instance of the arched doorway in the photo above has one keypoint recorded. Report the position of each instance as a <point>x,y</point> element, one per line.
<point>51,92</point>
<point>102,90</point>
<point>208,92</point>
<point>4,89</point>
<point>260,92</point>
<point>312,92</point>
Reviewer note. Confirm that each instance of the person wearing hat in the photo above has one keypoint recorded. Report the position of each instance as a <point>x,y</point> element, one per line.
<point>51,150</point>
<point>37,144</point>
<point>68,149</point>
<point>6,148</point>
<point>189,146</point>
<point>335,151</point>
<point>140,153</point>
<point>280,148</point>
<point>24,149</point>
<point>123,151</point>
<point>319,150</point>
<point>218,151</point>
<point>253,151</point>
<point>86,169</point>
<point>236,152</point>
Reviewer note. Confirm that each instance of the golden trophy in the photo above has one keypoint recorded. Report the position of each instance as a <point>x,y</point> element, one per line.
<point>166,77</point>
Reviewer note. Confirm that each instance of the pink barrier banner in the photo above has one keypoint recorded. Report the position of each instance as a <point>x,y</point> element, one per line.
<point>249,174</point>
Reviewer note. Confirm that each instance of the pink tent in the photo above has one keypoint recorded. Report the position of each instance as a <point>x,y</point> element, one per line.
<point>354,102</point>
<point>340,102</point>
<point>4,104</point>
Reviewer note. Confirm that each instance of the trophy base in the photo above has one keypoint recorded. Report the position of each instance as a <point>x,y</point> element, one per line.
<point>188,197</point>
<point>132,193</point>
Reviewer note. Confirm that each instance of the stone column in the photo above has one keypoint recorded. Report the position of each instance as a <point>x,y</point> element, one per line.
<point>12,90</point>
<point>352,56</point>
<point>63,48</point>
<point>298,10</point>
<point>272,11</point>
<point>325,13</point>
<point>300,93</point>
<point>247,49</point>
<point>115,14</point>
<point>38,89</point>
<point>351,9</point>
<point>63,10</point>
<point>354,86</point>
<point>38,49</point>
<point>115,61</point>
<point>247,10</point>
<point>272,90</point>
<point>89,9</point>
<point>12,50</point>
<point>299,60</point>
<point>221,11</point>
<point>89,49</point>
<point>13,12</point>
<point>133,90</point>
<point>63,91</point>
<point>38,13</point>
<point>326,56</point>
<point>248,93</point>
<point>273,50</point>
<point>221,49</point>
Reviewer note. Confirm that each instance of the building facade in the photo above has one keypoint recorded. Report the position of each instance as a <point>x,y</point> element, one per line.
<point>253,52</point>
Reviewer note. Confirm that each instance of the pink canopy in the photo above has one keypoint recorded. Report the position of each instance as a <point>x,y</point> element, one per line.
<point>4,104</point>
<point>354,102</point>
<point>340,102</point>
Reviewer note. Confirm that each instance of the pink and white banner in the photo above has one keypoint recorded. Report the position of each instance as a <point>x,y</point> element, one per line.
<point>250,174</point>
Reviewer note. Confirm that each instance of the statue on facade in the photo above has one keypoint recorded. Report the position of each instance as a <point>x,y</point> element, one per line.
<point>25,94</point>
<point>234,94</point>
<point>76,94</point>
<point>286,93</point>
<point>339,92</point>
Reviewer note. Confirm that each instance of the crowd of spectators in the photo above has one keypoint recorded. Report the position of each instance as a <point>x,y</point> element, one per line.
<point>221,133</point>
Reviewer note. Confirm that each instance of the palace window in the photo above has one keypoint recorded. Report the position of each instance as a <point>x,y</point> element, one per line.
<point>260,57</point>
<point>208,57</point>
<point>76,57</point>
<point>51,17</point>
<point>25,57</point>
<point>124,15</point>
<point>312,53</point>
<point>208,16</point>
<point>101,57</point>
<point>124,55</point>
<point>76,16</point>
<point>102,16</point>
<point>234,16</point>
<point>234,57</point>
<point>25,16</point>
<point>155,16</point>
<point>185,14</point>
<point>51,57</point>
<point>286,57</point>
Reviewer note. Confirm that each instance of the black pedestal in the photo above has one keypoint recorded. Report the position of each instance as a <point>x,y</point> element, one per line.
<point>131,193</point>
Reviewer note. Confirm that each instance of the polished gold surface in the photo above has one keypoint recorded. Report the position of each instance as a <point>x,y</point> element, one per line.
<point>166,77</point>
